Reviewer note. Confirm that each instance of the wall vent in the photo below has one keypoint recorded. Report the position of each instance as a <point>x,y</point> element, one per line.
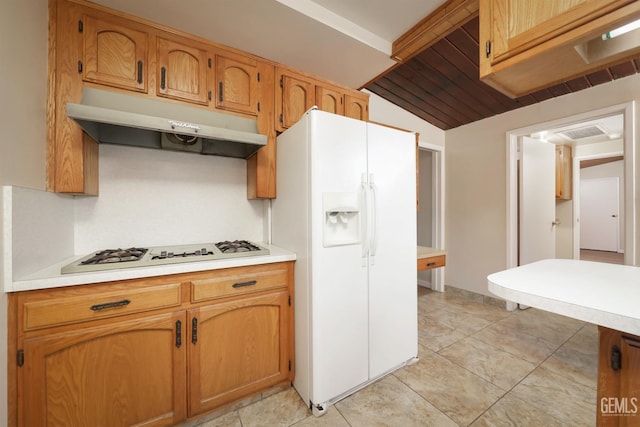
<point>584,132</point>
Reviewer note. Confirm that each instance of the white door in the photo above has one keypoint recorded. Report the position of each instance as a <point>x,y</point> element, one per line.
<point>393,334</point>
<point>599,214</point>
<point>537,201</point>
<point>339,294</point>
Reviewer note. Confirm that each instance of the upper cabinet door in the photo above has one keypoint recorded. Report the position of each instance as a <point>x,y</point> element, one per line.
<point>356,107</point>
<point>114,54</point>
<point>182,72</point>
<point>330,100</point>
<point>529,45</point>
<point>298,95</point>
<point>237,79</point>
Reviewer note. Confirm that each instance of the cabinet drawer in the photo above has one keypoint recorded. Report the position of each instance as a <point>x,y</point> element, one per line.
<point>72,309</point>
<point>239,281</point>
<point>431,262</point>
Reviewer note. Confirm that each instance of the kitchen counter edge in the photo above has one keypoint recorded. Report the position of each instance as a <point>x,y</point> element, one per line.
<point>597,293</point>
<point>51,277</point>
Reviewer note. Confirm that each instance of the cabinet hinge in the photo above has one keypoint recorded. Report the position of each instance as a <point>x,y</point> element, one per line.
<point>20,357</point>
<point>289,365</point>
<point>487,48</point>
<point>209,62</point>
<point>258,76</point>
<point>80,26</point>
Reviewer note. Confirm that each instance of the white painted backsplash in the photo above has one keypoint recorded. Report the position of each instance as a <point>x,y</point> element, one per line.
<point>154,197</point>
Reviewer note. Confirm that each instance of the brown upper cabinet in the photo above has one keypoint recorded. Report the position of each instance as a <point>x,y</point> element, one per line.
<point>331,100</point>
<point>114,55</point>
<point>356,105</point>
<point>564,176</point>
<point>529,45</point>
<point>297,92</point>
<point>237,83</point>
<point>182,71</point>
<point>91,45</point>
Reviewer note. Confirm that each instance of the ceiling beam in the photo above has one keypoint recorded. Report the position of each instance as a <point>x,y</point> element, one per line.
<point>445,19</point>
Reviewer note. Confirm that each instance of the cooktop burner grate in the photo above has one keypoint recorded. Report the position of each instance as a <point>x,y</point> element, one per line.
<point>111,259</point>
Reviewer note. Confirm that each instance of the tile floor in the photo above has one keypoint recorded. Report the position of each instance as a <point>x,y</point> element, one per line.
<point>479,366</point>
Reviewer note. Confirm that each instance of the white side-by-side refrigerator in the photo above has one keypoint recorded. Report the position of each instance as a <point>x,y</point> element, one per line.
<point>346,204</point>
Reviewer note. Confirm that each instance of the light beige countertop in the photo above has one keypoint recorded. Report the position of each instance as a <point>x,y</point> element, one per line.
<point>595,292</point>
<point>426,252</point>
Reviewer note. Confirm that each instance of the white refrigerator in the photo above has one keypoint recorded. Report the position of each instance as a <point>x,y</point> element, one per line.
<point>346,204</point>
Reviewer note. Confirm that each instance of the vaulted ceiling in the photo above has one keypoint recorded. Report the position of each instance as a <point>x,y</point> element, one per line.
<point>441,84</point>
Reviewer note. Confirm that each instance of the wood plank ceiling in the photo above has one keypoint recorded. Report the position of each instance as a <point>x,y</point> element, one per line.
<point>441,84</point>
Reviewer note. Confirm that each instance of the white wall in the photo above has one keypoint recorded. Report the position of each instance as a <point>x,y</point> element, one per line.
<point>155,197</point>
<point>23,84</point>
<point>476,179</point>
<point>382,111</point>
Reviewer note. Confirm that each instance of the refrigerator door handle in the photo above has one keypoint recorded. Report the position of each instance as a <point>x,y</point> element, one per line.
<point>364,225</point>
<point>373,242</point>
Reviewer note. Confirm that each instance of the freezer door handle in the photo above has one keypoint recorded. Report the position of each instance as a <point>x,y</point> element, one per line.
<point>364,224</point>
<point>373,241</point>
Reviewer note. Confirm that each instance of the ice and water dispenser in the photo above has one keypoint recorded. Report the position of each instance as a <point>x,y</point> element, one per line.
<point>341,219</point>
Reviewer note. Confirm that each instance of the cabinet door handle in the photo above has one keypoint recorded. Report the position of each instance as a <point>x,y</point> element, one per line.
<point>113,304</point>
<point>616,358</point>
<point>163,77</point>
<point>431,264</point>
<point>194,330</point>
<point>243,284</point>
<point>178,333</point>
<point>140,66</point>
<point>220,89</point>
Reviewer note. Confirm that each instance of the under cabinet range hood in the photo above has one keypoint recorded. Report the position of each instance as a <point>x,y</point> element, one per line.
<point>117,118</point>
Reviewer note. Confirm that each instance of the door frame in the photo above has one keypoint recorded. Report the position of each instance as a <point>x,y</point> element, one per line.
<point>630,162</point>
<point>437,207</point>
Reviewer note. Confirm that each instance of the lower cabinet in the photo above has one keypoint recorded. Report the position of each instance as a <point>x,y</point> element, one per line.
<point>153,351</point>
<point>618,378</point>
<point>237,348</point>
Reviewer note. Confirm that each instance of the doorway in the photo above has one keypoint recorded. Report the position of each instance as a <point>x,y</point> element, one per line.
<point>430,215</point>
<point>572,215</point>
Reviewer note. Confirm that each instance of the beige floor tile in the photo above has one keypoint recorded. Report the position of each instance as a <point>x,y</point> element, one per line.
<point>231,419</point>
<point>556,330</point>
<point>458,393</point>
<point>456,319</point>
<point>505,337</point>
<point>281,409</point>
<point>510,411</point>
<point>497,366</point>
<point>389,402</point>
<point>435,336</point>
<point>577,359</point>
<point>568,401</point>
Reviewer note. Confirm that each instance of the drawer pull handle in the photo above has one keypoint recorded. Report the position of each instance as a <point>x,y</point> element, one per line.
<point>431,264</point>
<point>243,284</point>
<point>98,307</point>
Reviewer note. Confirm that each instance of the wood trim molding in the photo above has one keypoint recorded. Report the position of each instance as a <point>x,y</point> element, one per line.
<point>445,19</point>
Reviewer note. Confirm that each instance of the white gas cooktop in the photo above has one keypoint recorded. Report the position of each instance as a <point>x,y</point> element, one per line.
<point>109,259</point>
